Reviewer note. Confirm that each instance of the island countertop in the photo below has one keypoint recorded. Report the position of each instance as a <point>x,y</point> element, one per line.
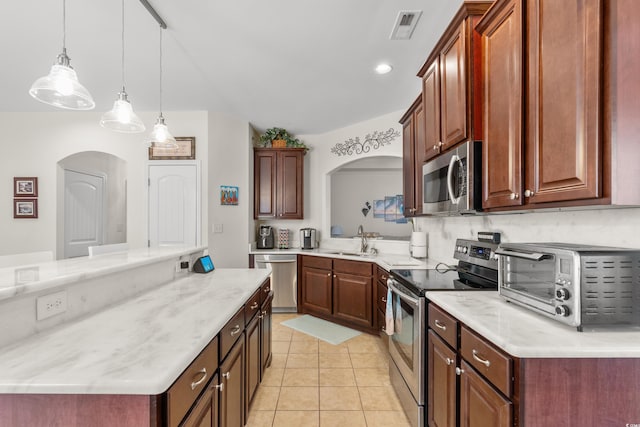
<point>525,334</point>
<point>139,346</point>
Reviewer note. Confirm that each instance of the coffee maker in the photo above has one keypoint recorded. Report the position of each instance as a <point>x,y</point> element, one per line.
<point>265,237</point>
<point>308,238</point>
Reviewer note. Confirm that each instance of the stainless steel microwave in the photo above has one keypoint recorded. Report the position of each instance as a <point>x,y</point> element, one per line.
<point>451,181</point>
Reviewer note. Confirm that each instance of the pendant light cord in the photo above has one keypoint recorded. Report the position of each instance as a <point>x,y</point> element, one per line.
<point>64,25</point>
<point>160,71</point>
<point>123,85</point>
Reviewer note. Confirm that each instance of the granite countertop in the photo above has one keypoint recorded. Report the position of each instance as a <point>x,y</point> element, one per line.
<point>36,277</point>
<point>388,261</point>
<point>523,333</point>
<point>139,346</point>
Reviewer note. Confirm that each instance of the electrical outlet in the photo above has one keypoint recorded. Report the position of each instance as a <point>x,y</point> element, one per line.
<point>217,228</point>
<point>51,305</point>
<point>178,267</point>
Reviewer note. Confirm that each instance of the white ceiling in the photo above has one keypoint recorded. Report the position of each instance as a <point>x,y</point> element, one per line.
<point>303,65</point>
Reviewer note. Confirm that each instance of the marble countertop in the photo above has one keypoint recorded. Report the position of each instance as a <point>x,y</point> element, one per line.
<point>139,346</point>
<point>388,261</point>
<point>36,277</point>
<point>523,333</point>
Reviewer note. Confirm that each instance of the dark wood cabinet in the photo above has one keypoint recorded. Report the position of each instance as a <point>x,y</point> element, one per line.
<point>253,360</point>
<point>451,84</point>
<point>442,385</point>
<point>480,404</point>
<point>278,183</point>
<point>412,154</point>
<point>338,290</point>
<point>266,333</point>
<point>232,396</point>
<point>205,411</point>
<point>381,303</point>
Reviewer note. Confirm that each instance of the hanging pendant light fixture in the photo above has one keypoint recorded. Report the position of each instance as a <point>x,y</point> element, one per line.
<point>121,117</point>
<point>160,136</point>
<point>61,87</point>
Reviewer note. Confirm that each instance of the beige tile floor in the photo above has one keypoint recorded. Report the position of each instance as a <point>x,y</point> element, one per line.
<point>313,383</point>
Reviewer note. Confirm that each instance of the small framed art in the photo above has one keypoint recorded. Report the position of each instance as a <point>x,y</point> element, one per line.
<point>25,208</point>
<point>186,150</point>
<point>25,186</point>
<point>228,195</point>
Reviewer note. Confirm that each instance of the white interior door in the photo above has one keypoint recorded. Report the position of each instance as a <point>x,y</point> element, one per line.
<point>173,205</point>
<point>84,217</point>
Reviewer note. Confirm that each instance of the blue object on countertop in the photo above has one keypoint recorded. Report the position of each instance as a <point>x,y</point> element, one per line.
<point>203,265</point>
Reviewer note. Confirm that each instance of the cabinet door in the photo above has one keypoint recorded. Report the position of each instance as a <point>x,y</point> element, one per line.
<point>409,173</point>
<point>418,143</point>
<point>502,109</point>
<point>266,328</point>
<point>480,404</point>
<point>232,381</point>
<point>316,290</point>
<point>290,186</point>
<point>453,85</point>
<point>564,124</point>
<point>431,105</point>
<point>441,383</point>
<point>352,298</point>
<point>205,412</point>
<point>253,361</point>
<point>264,176</point>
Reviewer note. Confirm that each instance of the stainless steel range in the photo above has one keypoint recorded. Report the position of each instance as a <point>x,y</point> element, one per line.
<point>476,270</point>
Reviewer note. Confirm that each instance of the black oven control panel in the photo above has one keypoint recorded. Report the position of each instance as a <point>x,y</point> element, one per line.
<point>475,252</point>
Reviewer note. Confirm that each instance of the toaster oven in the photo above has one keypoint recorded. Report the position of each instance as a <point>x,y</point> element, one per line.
<point>578,285</point>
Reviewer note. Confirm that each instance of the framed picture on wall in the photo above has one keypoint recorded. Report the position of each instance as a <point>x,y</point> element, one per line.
<point>186,150</point>
<point>25,186</point>
<point>228,195</point>
<point>25,208</point>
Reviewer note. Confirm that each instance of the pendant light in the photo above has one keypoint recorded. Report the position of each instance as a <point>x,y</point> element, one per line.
<point>61,87</point>
<point>121,117</point>
<point>160,136</point>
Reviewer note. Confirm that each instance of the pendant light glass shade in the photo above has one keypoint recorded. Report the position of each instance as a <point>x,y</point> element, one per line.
<point>160,137</point>
<point>61,87</point>
<point>121,117</point>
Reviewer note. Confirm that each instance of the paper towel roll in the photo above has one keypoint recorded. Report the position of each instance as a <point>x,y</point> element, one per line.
<point>419,238</point>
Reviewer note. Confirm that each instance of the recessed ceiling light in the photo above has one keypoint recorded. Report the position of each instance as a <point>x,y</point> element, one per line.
<point>383,68</point>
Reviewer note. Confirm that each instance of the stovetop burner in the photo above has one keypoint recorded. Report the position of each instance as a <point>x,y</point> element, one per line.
<point>477,269</point>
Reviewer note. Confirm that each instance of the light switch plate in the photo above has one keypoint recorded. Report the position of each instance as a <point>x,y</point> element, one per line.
<point>217,228</point>
<point>51,305</point>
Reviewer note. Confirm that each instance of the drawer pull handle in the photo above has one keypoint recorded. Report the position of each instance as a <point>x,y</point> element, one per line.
<point>384,278</point>
<point>220,387</point>
<point>195,384</point>
<point>459,371</point>
<point>226,375</point>
<point>267,290</point>
<point>383,299</point>
<point>440,325</point>
<point>485,362</point>
<point>264,312</point>
<point>254,306</point>
<point>235,330</point>
<point>449,361</point>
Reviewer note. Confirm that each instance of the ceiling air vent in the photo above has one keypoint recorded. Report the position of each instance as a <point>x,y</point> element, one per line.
<point>405,24</point>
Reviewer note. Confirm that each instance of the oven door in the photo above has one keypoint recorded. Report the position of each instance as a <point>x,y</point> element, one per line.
<point>407,344</point>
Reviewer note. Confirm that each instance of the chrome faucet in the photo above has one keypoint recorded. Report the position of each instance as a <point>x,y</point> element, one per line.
<point>363,239</point>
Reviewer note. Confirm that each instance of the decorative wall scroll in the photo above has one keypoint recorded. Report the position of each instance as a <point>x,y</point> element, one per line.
<point>373,140</point>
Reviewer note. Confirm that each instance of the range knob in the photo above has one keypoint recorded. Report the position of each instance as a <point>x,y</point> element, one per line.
<point>563,310</point>
<point>562,294</point>
<point>465,250</point>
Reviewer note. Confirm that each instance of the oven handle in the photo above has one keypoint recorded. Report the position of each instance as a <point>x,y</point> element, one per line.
<point>534,256</point>
<point>454,200</point>
<point>401,294</point>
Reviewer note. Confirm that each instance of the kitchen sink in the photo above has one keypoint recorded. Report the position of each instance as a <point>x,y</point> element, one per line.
<point>348,253</point>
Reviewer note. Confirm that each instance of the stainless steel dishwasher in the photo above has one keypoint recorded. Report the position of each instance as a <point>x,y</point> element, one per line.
<point>284,280</point>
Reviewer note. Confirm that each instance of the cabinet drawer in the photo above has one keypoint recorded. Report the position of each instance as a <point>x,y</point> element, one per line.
<point>231,332</point>
<point>264,291</point>
<point>317,262</point>
<point>444,325</point>
<point>493,364</point>
<point>184,392</point>
<point>382,297</point>
<point>252,306</point>
<point>382,275</point>
<point>353,267</point>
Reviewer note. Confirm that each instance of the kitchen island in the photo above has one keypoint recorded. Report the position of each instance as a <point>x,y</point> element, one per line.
<point>124,354</point>
<point>512,367</point>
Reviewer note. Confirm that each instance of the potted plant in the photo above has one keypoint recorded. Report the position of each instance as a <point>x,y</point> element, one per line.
<point>279,138</point>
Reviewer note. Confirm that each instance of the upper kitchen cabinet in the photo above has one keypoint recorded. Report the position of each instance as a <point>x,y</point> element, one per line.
<point>451,79</point>
<point>278,183</point>
<point>568,152</point>
<point>412,148</point>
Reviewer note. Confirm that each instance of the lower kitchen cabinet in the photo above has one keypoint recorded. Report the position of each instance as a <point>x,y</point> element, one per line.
<point>266,329</point>
<point>480,404</point>
<point>205,411</point>
<point>253,359</point>
<point>442,384</point>
<point>337,290</point>
<point>381,303</point>
<point>233,386</point>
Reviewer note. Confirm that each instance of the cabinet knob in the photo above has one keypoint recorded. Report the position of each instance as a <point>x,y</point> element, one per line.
<point>459,371</point>
<point>334,276</point>
<point>227,375</point>
<point>449,361</point>
<point>254,306</point>
<point>220,387</point>
<point>328,274</point>
<point>383,299</point>
<point>435,147</point>
<point>514,196</point>
<point>528,193</point>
